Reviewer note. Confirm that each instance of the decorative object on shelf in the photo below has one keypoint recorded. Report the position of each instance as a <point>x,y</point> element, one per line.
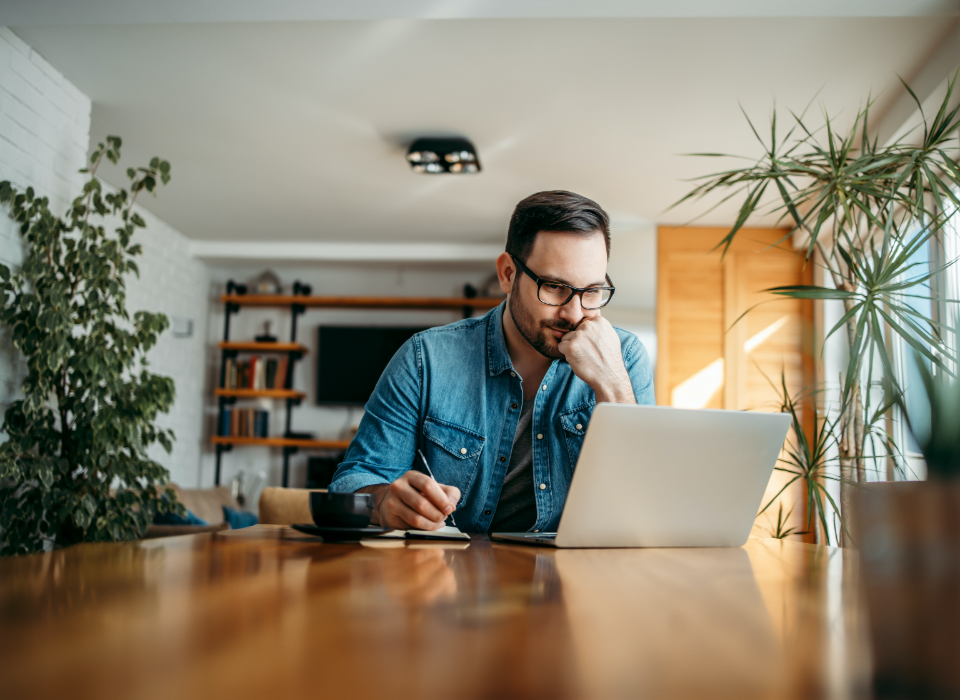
<point>266,336</point>
<point>266,282</point>
<point>74,466</point>
<point>443,155</point>
<point>300,289</point>
<point>236,288</point>
<point>491,288</point>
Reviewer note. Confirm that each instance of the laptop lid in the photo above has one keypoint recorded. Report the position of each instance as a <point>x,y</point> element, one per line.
<point>652,476</point>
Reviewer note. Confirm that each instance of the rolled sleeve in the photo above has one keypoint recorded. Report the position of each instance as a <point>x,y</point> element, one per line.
<point>386,441</point>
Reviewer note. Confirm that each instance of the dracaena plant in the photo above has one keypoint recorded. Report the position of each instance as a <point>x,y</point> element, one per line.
<point>863,211</point>
<point>74,465</point>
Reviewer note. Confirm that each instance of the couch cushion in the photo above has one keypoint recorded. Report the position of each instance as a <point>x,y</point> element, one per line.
<point>207,503</point>
<point>280,506</point>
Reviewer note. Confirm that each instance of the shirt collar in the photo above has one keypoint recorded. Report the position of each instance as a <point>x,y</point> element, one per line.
<point>498,359</point>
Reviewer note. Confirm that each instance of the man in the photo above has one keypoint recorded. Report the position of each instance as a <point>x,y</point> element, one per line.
<point>499,404</point>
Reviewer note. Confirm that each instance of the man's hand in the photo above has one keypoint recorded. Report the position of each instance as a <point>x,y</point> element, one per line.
<point>593,353</point>
<point>413,502</point>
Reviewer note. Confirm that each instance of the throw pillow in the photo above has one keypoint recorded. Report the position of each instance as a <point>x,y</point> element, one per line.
<point>238,519</point>
<point>174,519</point>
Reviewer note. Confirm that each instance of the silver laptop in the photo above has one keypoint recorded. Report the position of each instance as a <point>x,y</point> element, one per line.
<point>651,476</point>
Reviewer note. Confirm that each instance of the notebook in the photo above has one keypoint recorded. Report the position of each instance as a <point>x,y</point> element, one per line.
<point>444,533</point>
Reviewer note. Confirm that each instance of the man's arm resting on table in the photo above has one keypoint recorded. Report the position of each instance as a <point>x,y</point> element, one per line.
<point>412,502</point>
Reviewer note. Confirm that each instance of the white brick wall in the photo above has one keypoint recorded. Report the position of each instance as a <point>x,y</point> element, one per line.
<point>44,132</point>
<point>178,285</point>
<point>44,138</point>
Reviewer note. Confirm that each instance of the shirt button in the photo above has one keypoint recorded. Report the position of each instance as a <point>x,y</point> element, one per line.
<point>539,436</point>
<point>503,459</point>
<point>544,387</point>
<point>579,427</point>
<point>513,374</point>
<point>514,405</point>
<point>486,512</point>
<point>543,486</point>
<point>536,531</point>
<point>463,450</point>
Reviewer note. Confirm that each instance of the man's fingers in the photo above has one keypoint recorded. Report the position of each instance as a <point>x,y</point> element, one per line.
<point>411,518</point>
<point>453,493</point>
<point>413,498</point>
<point>431,489</point>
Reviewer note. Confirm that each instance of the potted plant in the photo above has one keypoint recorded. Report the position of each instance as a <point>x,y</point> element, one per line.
<point>861,212</point>
<point>74,465</point>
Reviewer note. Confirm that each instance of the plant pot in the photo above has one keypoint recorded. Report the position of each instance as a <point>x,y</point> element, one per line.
<point>909,536</point>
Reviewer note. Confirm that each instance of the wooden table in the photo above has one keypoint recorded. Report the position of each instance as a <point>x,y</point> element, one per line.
<point>268,613</point>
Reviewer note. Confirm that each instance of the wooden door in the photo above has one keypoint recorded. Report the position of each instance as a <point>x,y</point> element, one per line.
<point>706,357</point>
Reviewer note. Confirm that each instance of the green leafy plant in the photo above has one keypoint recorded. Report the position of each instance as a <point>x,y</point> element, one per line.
<point>806,456</point>
<point>863,212</point>
<point>780,531</point>
<point>74,466</point>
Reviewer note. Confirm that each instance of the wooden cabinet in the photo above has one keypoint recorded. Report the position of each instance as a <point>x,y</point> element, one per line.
<point>712,355</point>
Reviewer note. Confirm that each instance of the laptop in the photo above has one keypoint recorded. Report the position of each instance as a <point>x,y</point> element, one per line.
<point>653,476</point>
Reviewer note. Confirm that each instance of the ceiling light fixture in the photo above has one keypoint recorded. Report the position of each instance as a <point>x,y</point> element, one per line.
<point>443,155</point>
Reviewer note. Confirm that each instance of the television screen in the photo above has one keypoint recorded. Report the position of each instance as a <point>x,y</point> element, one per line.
<point>350,360</point>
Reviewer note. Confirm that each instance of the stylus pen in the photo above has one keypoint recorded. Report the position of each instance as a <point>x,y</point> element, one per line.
<point>427,467</point>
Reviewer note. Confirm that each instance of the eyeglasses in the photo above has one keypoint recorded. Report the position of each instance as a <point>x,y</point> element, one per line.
<point>557,294</point>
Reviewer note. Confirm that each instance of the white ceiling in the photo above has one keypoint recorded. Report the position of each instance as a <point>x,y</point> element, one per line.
<point>72,12</point>
<point>295,131</point>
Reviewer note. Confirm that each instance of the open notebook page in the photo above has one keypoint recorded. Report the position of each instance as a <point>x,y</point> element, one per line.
<point>444,533</point>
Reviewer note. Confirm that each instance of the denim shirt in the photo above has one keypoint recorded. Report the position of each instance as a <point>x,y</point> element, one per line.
<point>452,392</point>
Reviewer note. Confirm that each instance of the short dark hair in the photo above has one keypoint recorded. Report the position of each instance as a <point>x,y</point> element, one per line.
<point>557,210</point>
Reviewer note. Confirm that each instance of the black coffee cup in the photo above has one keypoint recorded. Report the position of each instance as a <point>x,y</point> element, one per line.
<point>341,509</point>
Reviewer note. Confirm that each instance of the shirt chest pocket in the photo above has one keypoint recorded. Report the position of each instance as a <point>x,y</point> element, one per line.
<point>574,426</point>
<point>453,453</point>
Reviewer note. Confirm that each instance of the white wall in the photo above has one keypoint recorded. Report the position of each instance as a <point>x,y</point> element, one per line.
<point>633,269</point>
<point>44,139</point>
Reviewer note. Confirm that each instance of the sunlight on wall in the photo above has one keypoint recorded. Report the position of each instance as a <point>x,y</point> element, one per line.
<point>698,390</point>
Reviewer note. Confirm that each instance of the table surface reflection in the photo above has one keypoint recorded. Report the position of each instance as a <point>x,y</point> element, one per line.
<point>269,613</point>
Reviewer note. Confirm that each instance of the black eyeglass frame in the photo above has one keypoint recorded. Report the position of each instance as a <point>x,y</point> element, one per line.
<point>574,291</point>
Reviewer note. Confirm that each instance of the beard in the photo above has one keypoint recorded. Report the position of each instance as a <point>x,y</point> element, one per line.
<point>537,333</point>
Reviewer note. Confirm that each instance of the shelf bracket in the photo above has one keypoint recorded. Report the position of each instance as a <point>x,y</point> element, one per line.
<point>287,451</point>
<point>221,448</point>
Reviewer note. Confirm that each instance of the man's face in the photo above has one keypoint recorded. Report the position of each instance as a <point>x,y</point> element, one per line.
<point>579,261</point>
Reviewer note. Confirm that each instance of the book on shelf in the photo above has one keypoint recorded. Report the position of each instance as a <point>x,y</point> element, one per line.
<point>244,422</point>
<point>256,373</point>
<point>270,372</point>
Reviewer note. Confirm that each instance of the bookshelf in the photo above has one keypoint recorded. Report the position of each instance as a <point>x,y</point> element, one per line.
<point>291,352</point>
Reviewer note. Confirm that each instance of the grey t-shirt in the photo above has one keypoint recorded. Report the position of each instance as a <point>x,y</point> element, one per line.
<point>517,506</point>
